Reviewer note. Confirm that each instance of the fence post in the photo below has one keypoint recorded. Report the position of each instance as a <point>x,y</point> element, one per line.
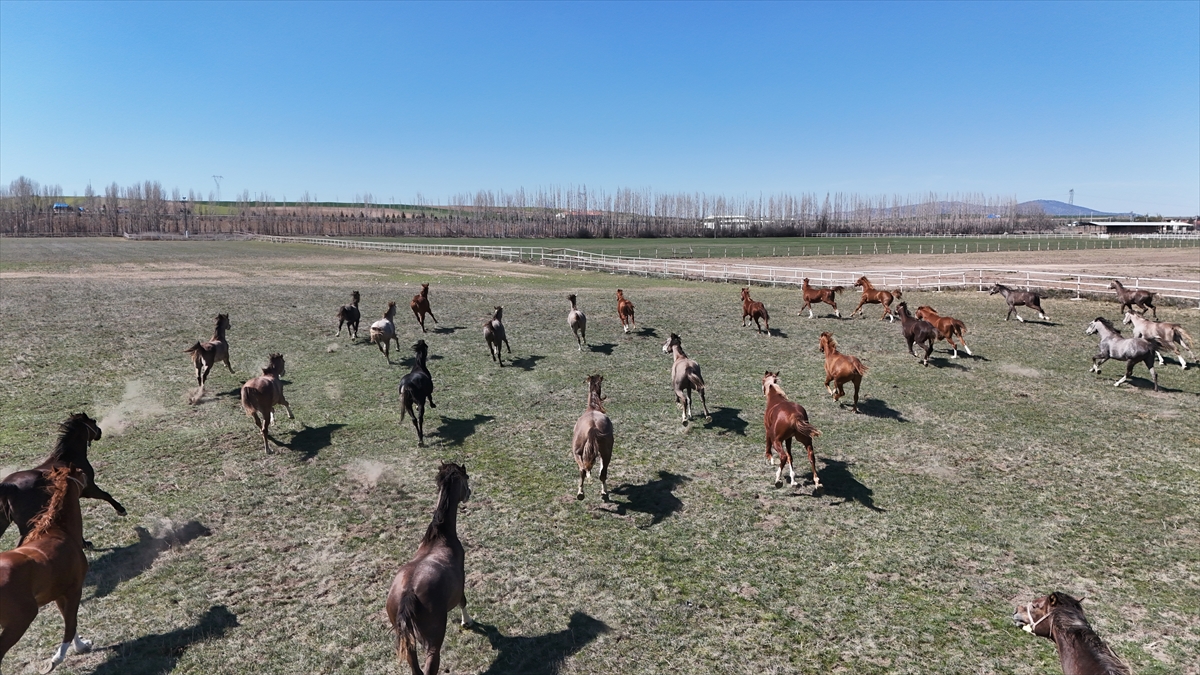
<point>980,281</point>
<point>1027,281</point>
<point>1078,279</point>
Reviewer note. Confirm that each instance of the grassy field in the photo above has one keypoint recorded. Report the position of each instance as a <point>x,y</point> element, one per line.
<point>964,488</point>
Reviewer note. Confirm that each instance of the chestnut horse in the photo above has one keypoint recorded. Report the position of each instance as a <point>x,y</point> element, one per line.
<point>916,331</point>
<point>48,567</point>
<point>592,439</point>
<point>420,307</point>
<point>624,311</point>
<point>578,323</point>
<point>431,584</point>
<point>260,395</point>
<point>753,309</point>
<point>349,316</point>
<point>416,387</point>
<point>1017,298</point>
<point>206,354</point>
<point>383,332</point>
<point>947,328</point>
<point>785,420</point>
<point>494,335</point>
<point>27,497</point>
<point>825,295</point>
<point>1115,346</point>
<point>1059,618</point>
<point>1128,298</point>
<point>686,378</point>
<point>875,296</point>
<point>1169,335</point>
<point>840,368</point>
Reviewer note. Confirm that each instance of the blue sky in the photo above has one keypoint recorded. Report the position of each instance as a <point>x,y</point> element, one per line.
<point>1026,99</point>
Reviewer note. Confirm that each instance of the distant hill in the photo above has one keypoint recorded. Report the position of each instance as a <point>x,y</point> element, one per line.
<point>1053,207</point>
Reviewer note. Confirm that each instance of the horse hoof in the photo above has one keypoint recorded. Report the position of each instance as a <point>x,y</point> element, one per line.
<point>82,646</point>
<point>579,497</point>
<point>708,419</point>
<point>818,490</point>
<point>778,483</point>
<point>48,666</point>
<point>604,496</point>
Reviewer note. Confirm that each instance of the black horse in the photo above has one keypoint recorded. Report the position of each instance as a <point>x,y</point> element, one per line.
<point>917,330</point>
<point>415,387</point>
<point>23,494</point>
<point>349,316</point>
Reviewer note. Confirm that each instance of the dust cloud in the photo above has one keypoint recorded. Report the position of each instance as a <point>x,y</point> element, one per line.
<point>135,405</point>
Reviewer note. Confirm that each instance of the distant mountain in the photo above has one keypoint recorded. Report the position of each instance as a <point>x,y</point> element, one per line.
<point>1053,207</point>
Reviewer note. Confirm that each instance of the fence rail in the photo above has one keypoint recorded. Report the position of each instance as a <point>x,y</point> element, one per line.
<point>978,278</point>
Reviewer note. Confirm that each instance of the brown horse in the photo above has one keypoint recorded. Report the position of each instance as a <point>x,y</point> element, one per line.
<point>206,354</point>
<point>48,567</point>
<point>578,323</point>
<point>24,494</point>
<point>916,331</point>
<point>420,307</point>
<point>825,295</point>
<point>624,311</point>
<point>349,316</point>
<point>947,327</point>
<point>840,368</point>
<point>494,334</point>
<point>1017,298</point>
<point>261,394</point>
<point>1128,298</point>
<point>593,438</point>
<point>686,378</point>
<point>875,296</point>
<point>753,309</point>
<point>785,420</point>
<point>383,332</point>
<point>1169,335</point>
<point>1059,618</point>
<point>433,582</point>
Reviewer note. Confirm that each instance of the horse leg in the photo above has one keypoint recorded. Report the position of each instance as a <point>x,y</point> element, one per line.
<point>1128,372</point>
<point>1097,361</point>
<point>928,351</point>
<point>856,382</point>
<point>436,635</point>
<point>69,608</point>
<point>1153,373</point>
<point>828,379</point>
<point>836,311</point>
<point>963,340</point>
<point>704,402</point>
<point>20,618</point>
<point>582,475</point>
<point>208,366</point>
<point>257,422</point>
<point>685,400</point>
<point>226,360</point>
<point>812,460</point>
<point>435,321</point>
<point>790,467</point>
<point>954,347</point>
<point>603,478</point>
<point>92,491</point>
<point>419,423</point>
<point>265,425</point>
<point>462,607</point>
<point>339,333</point>
<point>505,344</point>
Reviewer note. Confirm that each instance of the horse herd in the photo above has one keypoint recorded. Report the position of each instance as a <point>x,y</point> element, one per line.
<point>49,563</point>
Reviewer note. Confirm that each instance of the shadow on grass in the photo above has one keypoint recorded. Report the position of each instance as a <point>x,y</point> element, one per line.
<point>528,363</point>
<point>542,654</point>
<point>121,564</point>
<point>645,332</point>
<point>454,431</point>
<point>605,349</point>
<point>839,482</point>
<point>729,419</point>
<point>874,407</point>
<point>158,654</point>
<point>448,330</point>
<point>311,440</point>
<point>411,361</point>
<point>775,332</point>
<point>943,362</point>
<point>654,498</point>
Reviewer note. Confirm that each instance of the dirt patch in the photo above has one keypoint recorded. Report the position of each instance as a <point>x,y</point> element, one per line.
<point>1023,371</point>
<point>135,404</point>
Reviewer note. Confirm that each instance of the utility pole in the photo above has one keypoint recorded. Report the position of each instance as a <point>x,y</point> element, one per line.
<point>217,180</point>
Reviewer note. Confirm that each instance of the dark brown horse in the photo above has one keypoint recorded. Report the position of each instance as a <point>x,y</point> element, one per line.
<point>1128,298</point>
<point>753,309</point>
<point>22,494</point>
<point>624,311</point>
<point>783,421</point>
<point>876,296</point>
<point>206,354</point>
<point>840,368</point>
<point>416,387</point>
<point>349,316</point>
<point>420,307</point>
<point>825,295</point>
<point>947,326</point>
<point>260,395</point>
<point>48,567</point>
<point>1017,298</point>
<point>433,582</point>
<point>1059,618</point>
<point>917,331</point>
<point>592,439</point>
<point>494,335</point>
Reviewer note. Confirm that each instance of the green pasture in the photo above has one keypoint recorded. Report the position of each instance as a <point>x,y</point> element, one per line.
<point>962,489</point>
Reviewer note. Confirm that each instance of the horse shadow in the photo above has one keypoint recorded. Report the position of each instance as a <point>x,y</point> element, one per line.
<point>448,330</point>
<point>121,564</point>
<point>775,332</point>
<point>605,349</point>
<point>527,364</point>
<point>729,419</point>
<point>645,332</point>
<point>454,431</point>
<point>839,482</point>
<point>654,497</point>
<point>158,654</point>
<point>874,407</point>
<point>945,362</point>
<point>541,654</point>
<point>411,361</point>
<point>311,440</point>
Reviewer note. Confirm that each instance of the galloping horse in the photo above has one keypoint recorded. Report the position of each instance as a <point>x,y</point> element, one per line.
<point>1059,618</point>
<point>624,311</point>
<point>785,420</point>
<point>383,332</point>
<point>350,316</point>
<point>1130,350</point>
<point>947,327</point>
<point>753,309</point>
<point>578,323</point>
<point>49,566</point>
<point>416,387</point>
<point>592,439</point>
<point>1128,298</point>
<point>686,378</point>
<point>493,335</point>
<point>206,354</point>
<point>420,307</point>
<point>872,296</point>
<point>27,497</point>
<point>1169,335</point>
<point>840,368</point>
<point>918,331</point>
<point>825,295</point>
<point>431,584</point>
<point>1016,298</point>
<point>261,394</point>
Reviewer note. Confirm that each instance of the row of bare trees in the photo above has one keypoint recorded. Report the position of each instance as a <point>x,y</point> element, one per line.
<point>27,208</point>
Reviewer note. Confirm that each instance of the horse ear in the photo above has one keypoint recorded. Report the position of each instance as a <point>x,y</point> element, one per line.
<point>1052,600</point>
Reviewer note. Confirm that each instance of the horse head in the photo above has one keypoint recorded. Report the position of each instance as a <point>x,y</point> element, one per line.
<point>826,343</point>
<point>571,298</point>
<point>1031,616</point>
<point>499,314</point>
<point>354,297</point>
<point>862,282</point>
<point>672,342</point>
<point>745,294</point>
<point>275,365</point>
<point>1128,319</point>
<point>1115,285</point>
<point>995,289</point>
<point>1097,324</point>
<point>453,480</point>
<point>80,422</point>
<point>594,383</point>
<point>223,322</point>
<point>769,380</point>
<point>420,347</point>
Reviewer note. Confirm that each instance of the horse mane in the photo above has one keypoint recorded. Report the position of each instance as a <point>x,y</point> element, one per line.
<point>67,429</point>
<point>1108,324</point>
<point>446,473</point>
<point>829,337</point>
<point>595,400</point>
<point>59,479</point>
<point>1068,618</point>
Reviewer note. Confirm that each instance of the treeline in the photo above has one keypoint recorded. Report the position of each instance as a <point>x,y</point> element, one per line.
<point>29,209</point>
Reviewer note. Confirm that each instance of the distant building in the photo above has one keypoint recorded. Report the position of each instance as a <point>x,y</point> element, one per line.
<point>60,207</point>
<point>727,222</point>
<point>1137,227</point>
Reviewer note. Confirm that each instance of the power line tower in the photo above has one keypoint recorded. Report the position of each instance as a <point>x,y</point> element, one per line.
<point>1071,197</point>
<point>217,180</point>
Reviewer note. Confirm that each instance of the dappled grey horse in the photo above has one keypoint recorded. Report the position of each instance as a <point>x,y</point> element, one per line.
<point>1130,350</point>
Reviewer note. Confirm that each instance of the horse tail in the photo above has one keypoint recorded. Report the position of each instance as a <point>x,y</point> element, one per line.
<point>194,349</point>
<point>406,629</point>
<point>837,289</point>
<point>405,399</point>
<point>959,327</point>
<point>897,294</point>
<point>1183,338</point>
<point>247,394</point>
<point>805,428</point>
<point>859,367</point>
<point>697,381</point>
